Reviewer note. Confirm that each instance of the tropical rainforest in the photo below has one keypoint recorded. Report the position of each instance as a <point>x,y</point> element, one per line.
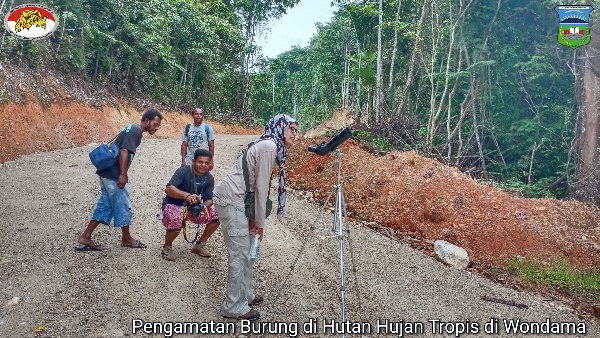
<point>478,84</point>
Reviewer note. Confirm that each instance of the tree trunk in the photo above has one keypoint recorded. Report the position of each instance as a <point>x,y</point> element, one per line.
<point>182,80</point>
<point>62,32</point>
<point>370,105</point>
<point>359,115</point>
<point>346,79</point>
<point>95,77</point>
<point>379,94</point>
<point>588,177</point>
<point>411,66</point>
<point>191,77</point>
<point>479,144</point>
<point>250,35</point>
<point>394,49</point>
<point>4,33</point>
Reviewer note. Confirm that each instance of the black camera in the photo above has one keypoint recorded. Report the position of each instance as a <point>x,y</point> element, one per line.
<point>196,209</point>
<point>324,148</point>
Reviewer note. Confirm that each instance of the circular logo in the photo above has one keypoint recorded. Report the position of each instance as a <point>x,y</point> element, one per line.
<point>30,22</point>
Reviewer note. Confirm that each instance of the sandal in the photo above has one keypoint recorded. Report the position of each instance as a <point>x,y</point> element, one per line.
<point>92,247</point>
<point>167,253</point>
<point>137,244</point>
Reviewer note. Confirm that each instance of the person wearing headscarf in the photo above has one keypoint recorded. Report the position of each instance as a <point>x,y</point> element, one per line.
<point>238,231</point>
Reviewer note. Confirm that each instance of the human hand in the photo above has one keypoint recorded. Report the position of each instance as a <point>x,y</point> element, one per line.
<point>193,199</point>
<point>183,163</point>
<point>254,229</point>
<point>122,180</point>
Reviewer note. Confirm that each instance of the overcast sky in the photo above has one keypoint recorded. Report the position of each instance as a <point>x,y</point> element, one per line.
<point>296,27</point>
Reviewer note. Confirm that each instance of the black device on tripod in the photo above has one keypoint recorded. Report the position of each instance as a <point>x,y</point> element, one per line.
<point>339,227</point>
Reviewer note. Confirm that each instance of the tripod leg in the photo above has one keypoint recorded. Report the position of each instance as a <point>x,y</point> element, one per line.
<point>283,285</point>
<point>312,228</point>
<point>340,227</point>
<point>352,260</point>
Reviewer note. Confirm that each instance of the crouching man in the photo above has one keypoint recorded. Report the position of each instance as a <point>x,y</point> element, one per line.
<point>192,185</point>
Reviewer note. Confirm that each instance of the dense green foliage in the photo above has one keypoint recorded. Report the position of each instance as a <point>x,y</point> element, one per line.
<point>179,52</point>
<point>483,85</point>
<point>490,89</point>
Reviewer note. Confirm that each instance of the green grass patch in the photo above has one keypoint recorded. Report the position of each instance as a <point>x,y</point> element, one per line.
<point>559,274</point>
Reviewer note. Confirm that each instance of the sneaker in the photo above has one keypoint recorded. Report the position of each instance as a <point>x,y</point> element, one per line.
<point>201,249</point>
<point>167,253</point>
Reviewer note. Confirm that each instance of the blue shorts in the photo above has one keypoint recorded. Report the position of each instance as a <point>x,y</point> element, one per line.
<point>113,202</point>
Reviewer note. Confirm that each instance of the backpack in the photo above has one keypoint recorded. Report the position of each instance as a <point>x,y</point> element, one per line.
<point>187,130</point>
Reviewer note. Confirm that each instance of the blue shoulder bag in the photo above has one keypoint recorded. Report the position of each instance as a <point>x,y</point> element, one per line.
<point>106,155</point>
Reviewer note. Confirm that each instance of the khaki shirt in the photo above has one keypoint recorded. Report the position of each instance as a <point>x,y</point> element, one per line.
<point>232,189</point>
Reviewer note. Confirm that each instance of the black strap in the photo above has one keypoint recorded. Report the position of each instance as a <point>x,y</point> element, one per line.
<point>185,209</point>
<point>245,170</point>
<point>194,179</point>
<point>126,129</point>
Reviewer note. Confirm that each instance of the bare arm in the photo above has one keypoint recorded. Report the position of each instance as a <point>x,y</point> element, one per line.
<point>123,160</point>
<point>172,191</point>
<point>211,148</point>
<point>184,146</point>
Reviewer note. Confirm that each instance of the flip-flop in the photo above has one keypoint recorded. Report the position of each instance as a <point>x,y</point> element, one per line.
<point>137,244</point>
<point>83,247</point>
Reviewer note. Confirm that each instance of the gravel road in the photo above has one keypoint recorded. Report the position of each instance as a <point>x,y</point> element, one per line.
<point>47,199</point>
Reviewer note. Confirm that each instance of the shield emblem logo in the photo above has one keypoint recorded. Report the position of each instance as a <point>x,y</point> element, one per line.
<point>574,25</point>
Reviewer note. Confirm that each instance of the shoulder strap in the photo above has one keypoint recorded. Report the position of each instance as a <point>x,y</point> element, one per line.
<point>206,126</point>
<point>245,170</point>
<point>126,129</point>
<point>187,130</point>
<point>194,180</point>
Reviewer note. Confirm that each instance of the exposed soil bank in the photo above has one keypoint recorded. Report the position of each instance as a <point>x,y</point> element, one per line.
<point>30,127</point>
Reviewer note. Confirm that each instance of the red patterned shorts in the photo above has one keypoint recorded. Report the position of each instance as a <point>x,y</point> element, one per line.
<point>173,217</point>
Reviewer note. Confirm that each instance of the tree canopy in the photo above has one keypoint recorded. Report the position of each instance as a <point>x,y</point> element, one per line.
<point>482,85</point>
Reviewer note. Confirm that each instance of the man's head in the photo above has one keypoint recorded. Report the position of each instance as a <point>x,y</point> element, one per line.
<point>202,161</point>
<point>151,121</point>
<point>198,115</point>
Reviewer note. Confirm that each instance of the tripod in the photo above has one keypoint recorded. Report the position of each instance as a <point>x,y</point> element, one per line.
<point>338,228</point>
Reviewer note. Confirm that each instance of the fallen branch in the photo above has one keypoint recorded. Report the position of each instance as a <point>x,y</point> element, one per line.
<point>502,301</point>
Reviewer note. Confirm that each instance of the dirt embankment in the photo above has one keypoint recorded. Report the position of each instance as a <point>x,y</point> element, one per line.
<point>427,200</point>
<point>30,127</point>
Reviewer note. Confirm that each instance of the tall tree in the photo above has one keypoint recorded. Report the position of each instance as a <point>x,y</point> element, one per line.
<point>587,186</point>
<point>379,91</point>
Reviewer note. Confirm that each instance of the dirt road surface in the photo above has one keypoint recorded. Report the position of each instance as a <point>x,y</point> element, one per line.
<point>47,199</point>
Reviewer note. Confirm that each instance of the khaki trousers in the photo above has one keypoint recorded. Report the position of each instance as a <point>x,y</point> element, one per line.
<point>236,235</point>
